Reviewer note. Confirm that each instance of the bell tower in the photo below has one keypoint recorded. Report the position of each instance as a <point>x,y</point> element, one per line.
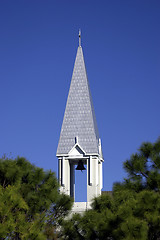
<point>79,146</point>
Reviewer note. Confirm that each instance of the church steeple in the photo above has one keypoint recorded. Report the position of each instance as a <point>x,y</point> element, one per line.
<point>79,142</point>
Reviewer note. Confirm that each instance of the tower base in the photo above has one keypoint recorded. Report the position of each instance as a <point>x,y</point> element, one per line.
<point>80,207</point>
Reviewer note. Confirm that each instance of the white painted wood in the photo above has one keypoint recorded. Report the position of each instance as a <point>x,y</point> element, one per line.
<point>63,171</point>
<point>101,176</point>
<point>59,172</point>
<point>90,171</point>
<point>96,171</point>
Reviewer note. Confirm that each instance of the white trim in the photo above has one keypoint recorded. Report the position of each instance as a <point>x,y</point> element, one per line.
<point>63,171</point>
<point>86,154</point>
<point>77,145</point>
<point>90,171</point>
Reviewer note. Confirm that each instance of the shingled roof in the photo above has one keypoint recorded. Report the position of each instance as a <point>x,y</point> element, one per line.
<point>79,120</point>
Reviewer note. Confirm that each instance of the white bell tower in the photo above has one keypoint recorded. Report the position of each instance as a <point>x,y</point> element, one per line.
<point>79,142</point>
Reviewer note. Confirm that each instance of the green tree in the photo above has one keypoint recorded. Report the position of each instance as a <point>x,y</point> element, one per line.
<point>143,168</point>
<point>30,203</point>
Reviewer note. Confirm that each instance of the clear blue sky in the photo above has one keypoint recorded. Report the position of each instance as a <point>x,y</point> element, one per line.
<point>38,44</point>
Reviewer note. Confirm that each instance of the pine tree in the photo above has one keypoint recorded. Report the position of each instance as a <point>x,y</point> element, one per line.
<point>30,202</point>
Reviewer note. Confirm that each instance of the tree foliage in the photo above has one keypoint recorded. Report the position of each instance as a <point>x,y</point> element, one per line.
<point>143,168</point>
<point>133,210</point>
<point>30,203</point>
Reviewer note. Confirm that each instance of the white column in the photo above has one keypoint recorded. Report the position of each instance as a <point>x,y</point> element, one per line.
<point>101,176</point>
<point>90,171</point>
<point>60,171</point>
<point>63,172</point>
<point>96,171</point>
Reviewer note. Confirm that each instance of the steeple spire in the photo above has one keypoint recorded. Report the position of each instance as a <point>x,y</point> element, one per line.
<point>79,118</point>
<point>79,37</point>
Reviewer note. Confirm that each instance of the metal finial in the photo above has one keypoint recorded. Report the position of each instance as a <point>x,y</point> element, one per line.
<point>79,38</point>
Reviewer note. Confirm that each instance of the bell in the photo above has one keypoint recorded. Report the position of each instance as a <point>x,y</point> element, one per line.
<point>80,166</point>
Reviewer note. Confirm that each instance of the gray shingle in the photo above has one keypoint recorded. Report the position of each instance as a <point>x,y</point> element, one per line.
<point>79,117</point>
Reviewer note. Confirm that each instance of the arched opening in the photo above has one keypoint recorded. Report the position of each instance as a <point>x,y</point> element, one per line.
<point>81,185</point>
